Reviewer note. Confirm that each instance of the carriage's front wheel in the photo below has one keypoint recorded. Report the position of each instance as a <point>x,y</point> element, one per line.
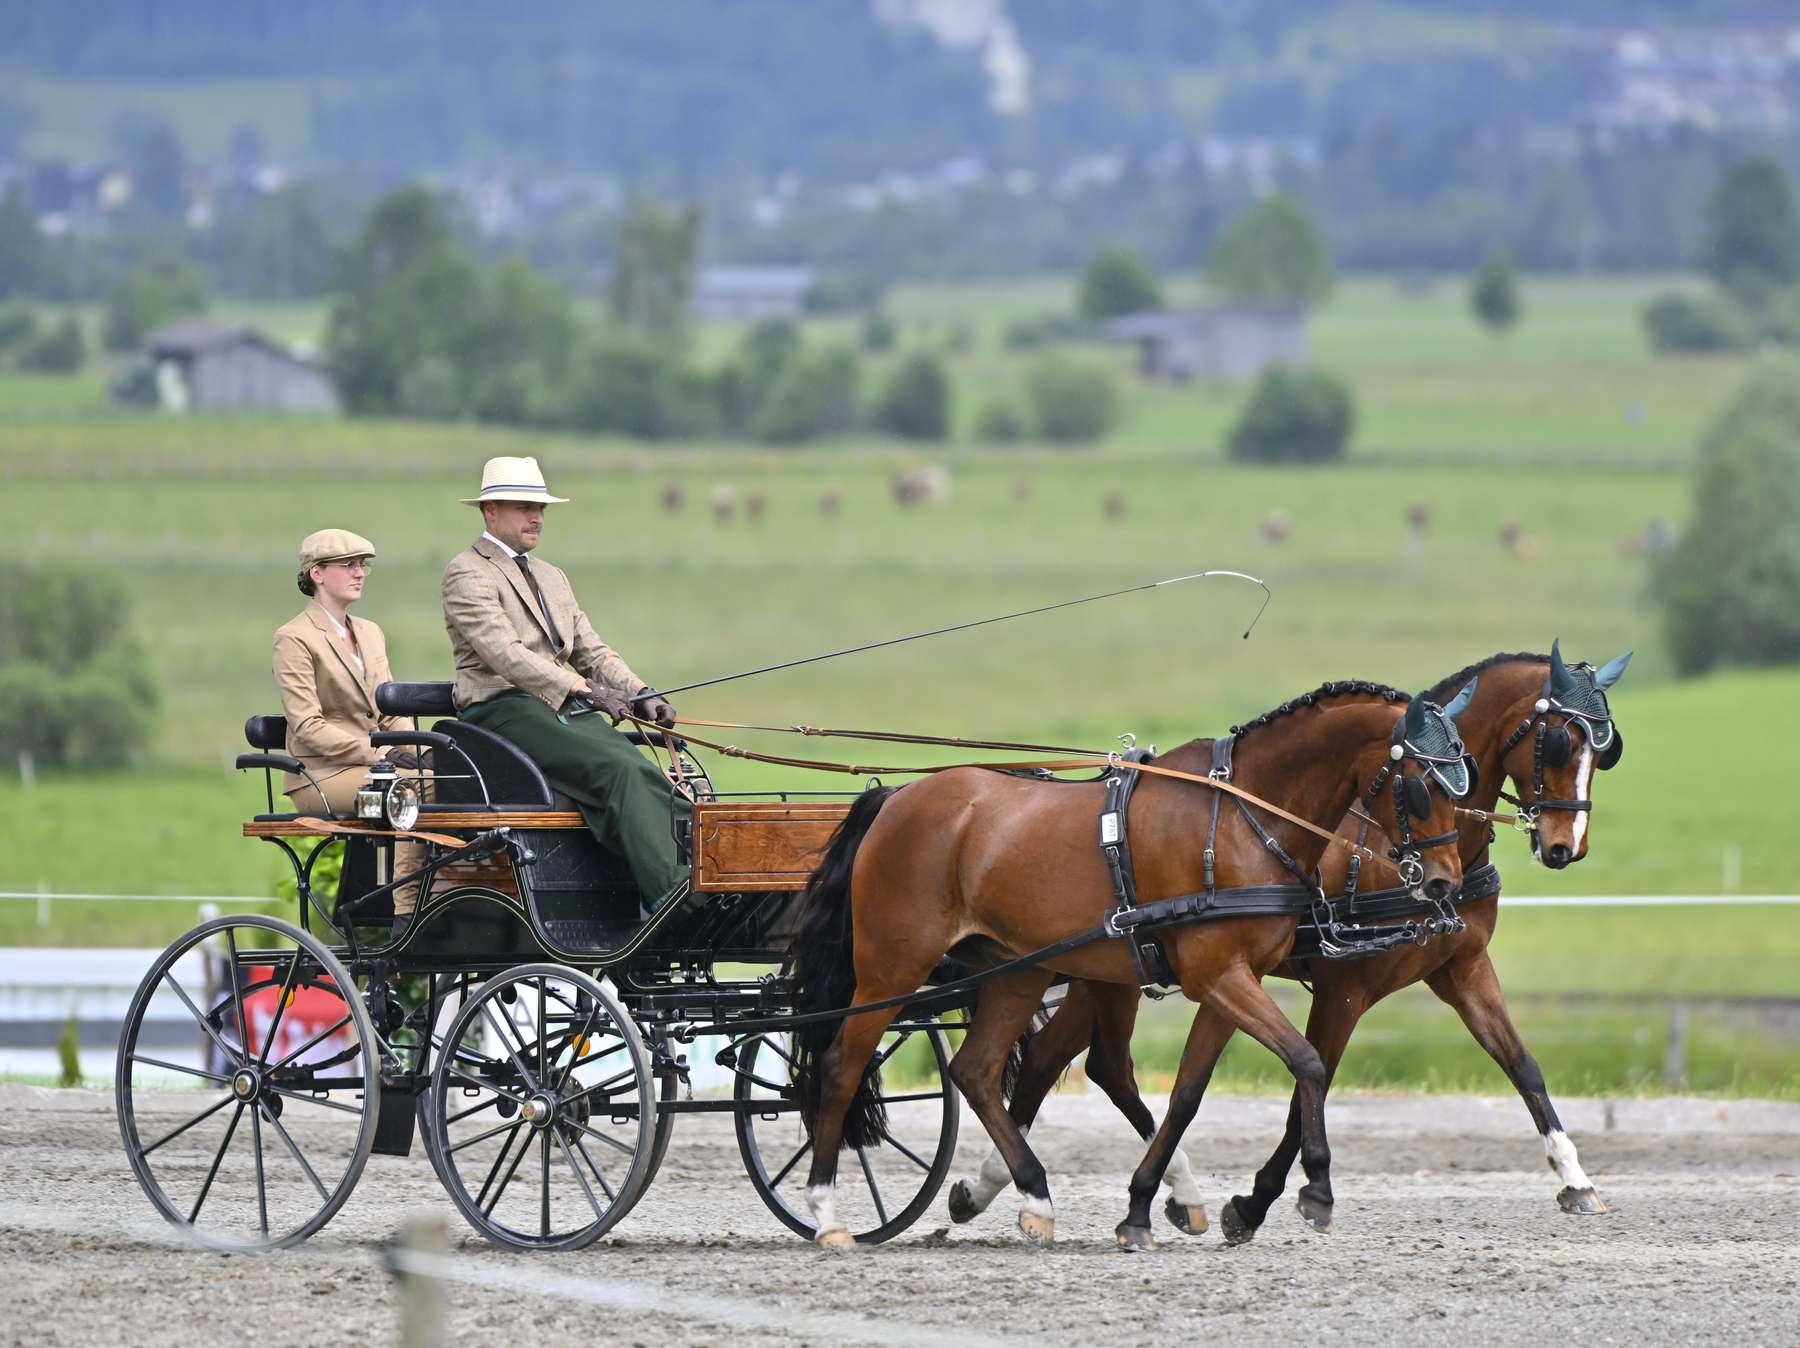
<point>247,1083</point>
<point>881,1189</point>
<point>543,1109</point>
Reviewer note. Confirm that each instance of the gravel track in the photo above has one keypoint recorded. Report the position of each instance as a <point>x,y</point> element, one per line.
<point>1447,1227</point>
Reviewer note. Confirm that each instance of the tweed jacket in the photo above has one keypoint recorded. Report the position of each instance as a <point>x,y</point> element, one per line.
<point>498,638</point>
<point>330,703</point>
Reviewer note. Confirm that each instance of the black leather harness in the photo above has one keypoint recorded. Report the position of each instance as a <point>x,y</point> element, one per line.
<point>1133,921</point>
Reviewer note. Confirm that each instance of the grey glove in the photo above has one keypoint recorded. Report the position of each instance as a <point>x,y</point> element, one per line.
<point>653,706</point>
<point>609,700</point>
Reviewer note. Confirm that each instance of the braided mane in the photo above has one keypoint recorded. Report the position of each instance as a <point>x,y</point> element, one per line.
<point>1439,691</point>
<point>1334,688</point>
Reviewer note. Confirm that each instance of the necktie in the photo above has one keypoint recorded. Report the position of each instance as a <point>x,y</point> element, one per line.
<point>549,622</point>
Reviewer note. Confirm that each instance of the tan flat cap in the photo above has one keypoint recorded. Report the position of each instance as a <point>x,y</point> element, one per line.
<point>505,479</point>
<point>333,545</point>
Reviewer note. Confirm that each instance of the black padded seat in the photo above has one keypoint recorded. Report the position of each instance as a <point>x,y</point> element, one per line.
<point>416,699</point>
<point>268,733</point>
<point>511,777</point>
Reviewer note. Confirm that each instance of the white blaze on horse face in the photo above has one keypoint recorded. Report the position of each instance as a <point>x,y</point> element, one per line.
<point>1179,1176</point>
<point>994,1177</point>
<point>1563,1161</point>
<point>1584,776</point>
<point>824,1208</point>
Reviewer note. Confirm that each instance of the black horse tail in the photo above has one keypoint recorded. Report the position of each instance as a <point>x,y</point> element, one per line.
<point>1015,1056</point>
<point>822,972</point>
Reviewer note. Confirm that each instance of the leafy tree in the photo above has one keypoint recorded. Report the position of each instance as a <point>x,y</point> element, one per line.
<point>18,325</point>
<point>158,164</point>
<point>60,351</point>
<point>630,384</point>
<point>652,278</point>
<point>1294,416</point>
<point>1000,423</point>
<point>75,689</point>
<point>915,401</point>
<point>402,290</point>
<point>159,287</point>
<point>1678,323</point>
<point>811,397</point>
<point>1752,241</point>
<point>519,345</point>
<point>878,331</point>
<point>1494,292</point>
<point>1730,587</point>
<point>767,350</point>
<point>21,248</point>
<point>1071,403</point>
<point>1272,254</point>
<point>278,246</point>
<point>1117,281</point>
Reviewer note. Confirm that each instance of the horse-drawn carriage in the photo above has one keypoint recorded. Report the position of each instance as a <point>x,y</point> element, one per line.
<point>530,1026</point>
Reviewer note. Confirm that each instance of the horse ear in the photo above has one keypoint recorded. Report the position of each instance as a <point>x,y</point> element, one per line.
<point>1460,703</point>
<point>1561,681</point>
<point>1414,720</point>
<point>1610,671</point>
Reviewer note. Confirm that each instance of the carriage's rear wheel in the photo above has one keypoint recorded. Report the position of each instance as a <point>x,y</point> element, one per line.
<point>881,1190</point>
<point>543,1109</point>
<point>256,1140</point>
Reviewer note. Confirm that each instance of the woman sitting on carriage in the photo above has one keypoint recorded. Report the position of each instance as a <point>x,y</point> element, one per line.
<point>327,668</point>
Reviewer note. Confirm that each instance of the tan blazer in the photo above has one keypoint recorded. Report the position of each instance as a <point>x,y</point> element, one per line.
<point>498,638</point>
<point>330,703</point>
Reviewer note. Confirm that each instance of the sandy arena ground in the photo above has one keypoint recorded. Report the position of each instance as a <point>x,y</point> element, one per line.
<point>1447,1231</point>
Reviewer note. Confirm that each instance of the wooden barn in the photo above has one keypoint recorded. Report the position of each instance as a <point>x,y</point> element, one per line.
<point>210,366</point>
<point>1222,342</point>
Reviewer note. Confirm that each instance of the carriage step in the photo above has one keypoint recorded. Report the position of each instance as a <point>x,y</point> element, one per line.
<point>581,933</point>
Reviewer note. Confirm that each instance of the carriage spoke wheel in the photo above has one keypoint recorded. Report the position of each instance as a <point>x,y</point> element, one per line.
<point>255,1141</point>
<point>543,1109</point>
<point>881,1189</point>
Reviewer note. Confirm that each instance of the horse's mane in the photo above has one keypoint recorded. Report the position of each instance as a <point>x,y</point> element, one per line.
<point>1333,688</point>
<point>1439,691</point>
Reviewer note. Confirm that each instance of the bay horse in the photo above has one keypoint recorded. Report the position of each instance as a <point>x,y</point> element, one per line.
<point>1534,718</point>
<point>976,857</point>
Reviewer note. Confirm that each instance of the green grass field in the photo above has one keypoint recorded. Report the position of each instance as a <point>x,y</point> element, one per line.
<point>201,516</point>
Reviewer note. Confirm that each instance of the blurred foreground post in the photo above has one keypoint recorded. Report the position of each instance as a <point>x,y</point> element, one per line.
<point>1675,1047</point>
<point>420,1242</point>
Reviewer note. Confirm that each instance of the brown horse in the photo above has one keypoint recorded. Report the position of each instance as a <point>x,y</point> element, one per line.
<point>1514,696</point>
<point>971,857</point>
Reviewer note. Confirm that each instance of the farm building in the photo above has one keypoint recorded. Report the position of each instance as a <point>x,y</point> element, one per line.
<point>210,366</point>
<point>1226,342</point>
<point>751,293</point>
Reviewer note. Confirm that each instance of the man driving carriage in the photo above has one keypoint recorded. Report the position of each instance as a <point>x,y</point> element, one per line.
<point>530,668</point>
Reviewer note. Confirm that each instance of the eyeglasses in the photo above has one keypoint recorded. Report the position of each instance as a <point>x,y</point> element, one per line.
<point>364,564</point>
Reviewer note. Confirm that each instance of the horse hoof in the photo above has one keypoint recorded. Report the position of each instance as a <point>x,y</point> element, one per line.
<point>838,1241</point>
<point>1186,1217</point>
<point>962,1203</point>
<point>1317,1214</point>
<point>1238,1229</point>
<point>1133,1238</point>
<point>1580,1202</point>
<point>1040,1231</point>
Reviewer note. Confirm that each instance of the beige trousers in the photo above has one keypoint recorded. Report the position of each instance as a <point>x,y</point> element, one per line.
<point>340,798</point>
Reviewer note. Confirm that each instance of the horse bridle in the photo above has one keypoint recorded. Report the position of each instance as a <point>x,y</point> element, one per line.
<point>1412,797</point>
<point>1554,744</point>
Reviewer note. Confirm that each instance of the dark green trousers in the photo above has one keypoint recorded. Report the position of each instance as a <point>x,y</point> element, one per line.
<point>625,798</point>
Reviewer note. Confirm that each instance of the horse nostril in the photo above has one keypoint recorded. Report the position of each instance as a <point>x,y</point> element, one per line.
<point>1557,856</point>
<point>1439,889</point>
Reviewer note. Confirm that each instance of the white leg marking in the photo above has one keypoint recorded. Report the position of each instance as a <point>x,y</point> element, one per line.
<point>1561,1152</point>
<point>1035,1207</point>
<point>994,1177</point>
<point>824,1208</point>
<point>1183,1187</point>
<point>1584,776</point>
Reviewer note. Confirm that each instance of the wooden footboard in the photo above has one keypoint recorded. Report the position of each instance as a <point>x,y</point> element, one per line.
<point>760,845</point>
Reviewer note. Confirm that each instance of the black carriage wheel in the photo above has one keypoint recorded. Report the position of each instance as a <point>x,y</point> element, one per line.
<point>260,1145</point>
<point>543,1109</point>
<point>882,1189</point>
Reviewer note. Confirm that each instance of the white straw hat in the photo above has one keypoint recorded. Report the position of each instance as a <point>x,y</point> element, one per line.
<point>506,479</point>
